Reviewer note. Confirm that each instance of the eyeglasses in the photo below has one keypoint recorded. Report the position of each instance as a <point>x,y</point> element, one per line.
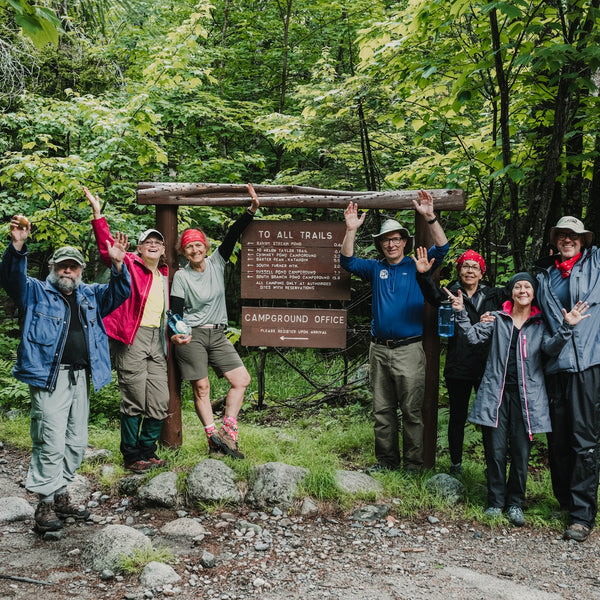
<point>395,241</point>
<point>561,235</point>
<point>467,267</point>
<point>152,243</point>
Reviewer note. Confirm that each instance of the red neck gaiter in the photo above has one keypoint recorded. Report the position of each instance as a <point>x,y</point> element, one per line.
<point>566,266</point>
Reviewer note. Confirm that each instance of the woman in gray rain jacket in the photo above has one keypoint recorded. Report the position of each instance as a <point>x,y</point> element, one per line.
<point>511,403</point>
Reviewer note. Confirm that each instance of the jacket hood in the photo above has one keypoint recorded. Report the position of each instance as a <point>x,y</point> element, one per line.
<point>508,306</point>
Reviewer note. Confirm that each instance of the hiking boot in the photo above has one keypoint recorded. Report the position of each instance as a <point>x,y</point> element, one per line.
<point>46,519</point>
<point>578,532</point>
<point>492,511</point>
<point>214,449</point>
<point>456,470</point>
<point>157,463</point>
<point>226,444</point>
<point>140,466</point>
<point>376,468</point>
<point>515,515</point>
<point>64,509</point>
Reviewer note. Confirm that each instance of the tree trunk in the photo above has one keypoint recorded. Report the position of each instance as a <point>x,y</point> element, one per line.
<point>504,93</point>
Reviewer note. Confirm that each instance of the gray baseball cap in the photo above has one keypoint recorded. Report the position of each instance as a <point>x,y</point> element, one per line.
<point>146,234</point>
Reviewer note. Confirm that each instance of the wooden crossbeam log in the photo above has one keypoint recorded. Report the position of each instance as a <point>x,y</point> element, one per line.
<point>287,196</point>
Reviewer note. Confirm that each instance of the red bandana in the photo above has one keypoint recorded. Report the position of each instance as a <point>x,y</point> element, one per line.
<point>192,235</point>
<point>566,266</point>
<point>470,255</point>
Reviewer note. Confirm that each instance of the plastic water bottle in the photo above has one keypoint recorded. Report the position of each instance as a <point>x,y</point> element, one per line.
<point>177,324</point>
<point>446,319</point>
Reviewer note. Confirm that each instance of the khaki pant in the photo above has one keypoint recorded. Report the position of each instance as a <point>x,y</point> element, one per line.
<point>142,371</point>
<point>397,379</point>
<point>59,432</point>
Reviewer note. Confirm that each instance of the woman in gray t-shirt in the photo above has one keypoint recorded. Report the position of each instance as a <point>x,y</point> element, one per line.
<point>198,293</point>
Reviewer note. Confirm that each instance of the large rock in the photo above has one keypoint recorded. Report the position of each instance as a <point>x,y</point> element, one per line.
<point>157,574</point>
<point>13,508</point>
<point>370,513</point>
<point>275,484</point>
<point>106,549</point>
<point>354,482</point>
<point>212,481</point>
<point>184,527</point>
<point>96,455</point>
<point>160,491</point>
<point>80,490</point>
<point>447,487</point>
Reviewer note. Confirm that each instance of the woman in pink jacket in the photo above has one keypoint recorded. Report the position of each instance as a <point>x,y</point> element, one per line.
<point>138,344</point>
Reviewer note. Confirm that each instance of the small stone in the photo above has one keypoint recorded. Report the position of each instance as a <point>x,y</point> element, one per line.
<point>433,520</point>
<point>277,512</point>
<point>107,574</point>
<point>207,560</point>
<point>261,546</point>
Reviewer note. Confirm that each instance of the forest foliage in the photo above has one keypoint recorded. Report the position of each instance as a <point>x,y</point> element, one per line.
<point>497,98</point>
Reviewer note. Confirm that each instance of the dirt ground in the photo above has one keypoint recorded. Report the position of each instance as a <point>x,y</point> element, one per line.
<point>325,557</point>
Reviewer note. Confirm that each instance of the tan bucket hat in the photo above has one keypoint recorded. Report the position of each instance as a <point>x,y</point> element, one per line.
<point>574,225</point>
<point>392,225</point>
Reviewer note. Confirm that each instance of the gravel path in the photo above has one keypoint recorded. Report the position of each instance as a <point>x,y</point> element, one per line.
<point>330,557</point>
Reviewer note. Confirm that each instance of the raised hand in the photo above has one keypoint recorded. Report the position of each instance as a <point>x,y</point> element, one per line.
<point>94,202</point>
<point>255,201</point>
<point>118,249</point>
<point>353,221</point>
<point>422,262</point>
<point>457,301</point>
<point>576,314</point>
<point>424,204</point>
<point>20,228</point>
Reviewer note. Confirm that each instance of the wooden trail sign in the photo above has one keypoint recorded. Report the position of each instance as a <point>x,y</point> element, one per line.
<point>293,260</point>
<point>294,328</point>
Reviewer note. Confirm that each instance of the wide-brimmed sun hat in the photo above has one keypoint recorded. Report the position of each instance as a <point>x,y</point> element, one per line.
<point>392,225</point>
<point>574,225</point>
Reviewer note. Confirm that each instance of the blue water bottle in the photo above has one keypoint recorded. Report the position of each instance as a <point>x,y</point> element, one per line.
<point>177,324</point>
<point>446,319</point>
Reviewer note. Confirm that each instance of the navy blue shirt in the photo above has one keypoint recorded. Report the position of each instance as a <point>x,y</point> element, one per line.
<point>397,304</point>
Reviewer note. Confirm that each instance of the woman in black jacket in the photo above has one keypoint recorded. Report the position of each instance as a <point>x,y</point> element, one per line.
<point>464,363</point>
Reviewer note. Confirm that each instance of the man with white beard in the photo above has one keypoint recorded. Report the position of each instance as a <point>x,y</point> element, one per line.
<point>63,345</point>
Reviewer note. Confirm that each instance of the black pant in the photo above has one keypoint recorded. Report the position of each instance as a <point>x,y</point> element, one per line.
<point>573,443</point>
<point>459,394</point>
<point>509,437</point>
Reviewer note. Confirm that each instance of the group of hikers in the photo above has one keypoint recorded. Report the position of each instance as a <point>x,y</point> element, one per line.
<point>521,348</point>
<point>534,367</point>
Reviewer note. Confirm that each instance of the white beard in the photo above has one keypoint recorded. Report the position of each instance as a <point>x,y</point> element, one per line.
<point>64,284</point>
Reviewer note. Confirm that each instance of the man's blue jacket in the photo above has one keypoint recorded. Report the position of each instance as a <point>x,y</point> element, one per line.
<point>47,316</point>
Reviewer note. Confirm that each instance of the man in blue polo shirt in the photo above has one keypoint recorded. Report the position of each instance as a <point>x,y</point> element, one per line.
<point>396,356</point>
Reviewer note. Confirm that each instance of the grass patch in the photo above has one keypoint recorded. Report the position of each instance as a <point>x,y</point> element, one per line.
<point>322,438</point>
<point>133,564</point>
